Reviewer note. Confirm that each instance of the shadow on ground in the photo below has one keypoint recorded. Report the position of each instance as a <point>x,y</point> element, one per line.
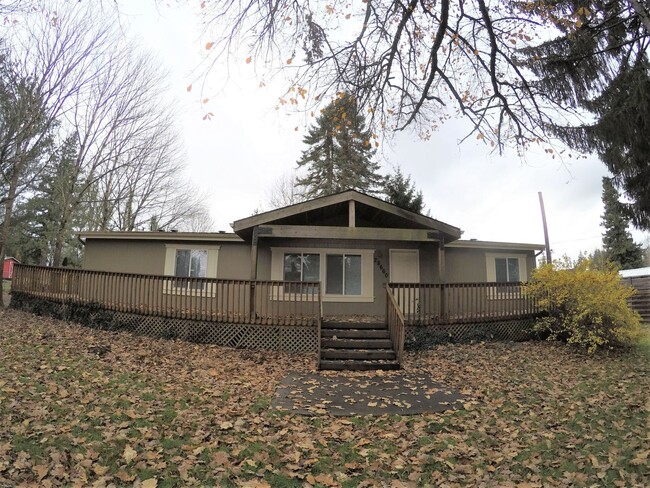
<point>372,393</point>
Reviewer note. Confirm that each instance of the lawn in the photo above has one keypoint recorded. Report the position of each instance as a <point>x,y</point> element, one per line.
<point>79,406</point>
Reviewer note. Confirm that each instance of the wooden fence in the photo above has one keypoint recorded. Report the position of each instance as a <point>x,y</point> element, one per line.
<point>435,304</point>
<point>641,300</point>
<point>205,299</point>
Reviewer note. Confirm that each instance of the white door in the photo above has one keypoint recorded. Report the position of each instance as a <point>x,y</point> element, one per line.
<point>404,267</point>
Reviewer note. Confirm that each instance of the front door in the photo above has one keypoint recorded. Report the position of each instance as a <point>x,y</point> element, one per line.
<point>405,268</point>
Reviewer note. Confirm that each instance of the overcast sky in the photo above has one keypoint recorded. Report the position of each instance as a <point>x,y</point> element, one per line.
<point>235,157</point>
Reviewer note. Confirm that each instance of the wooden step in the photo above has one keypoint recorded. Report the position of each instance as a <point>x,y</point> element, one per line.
<point>387,354</point>
<point>353,325</point>
<point>355,333</point>
<point>358,365</point>
<point>356,343</point>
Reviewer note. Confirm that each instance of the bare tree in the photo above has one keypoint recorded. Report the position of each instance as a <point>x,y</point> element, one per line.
<point>419,62</point>
<point>284,191</point>
<point>109,102</point>
<point>405,62</point>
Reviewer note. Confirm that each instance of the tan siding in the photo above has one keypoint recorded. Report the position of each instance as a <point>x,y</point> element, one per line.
<point>465,265</point>
<point>234,262</point>
<point>141,257</point>
<point>469,265</point>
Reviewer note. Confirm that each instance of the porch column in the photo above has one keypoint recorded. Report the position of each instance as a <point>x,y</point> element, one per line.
<point>441,261</point>
<point>442,279</point>
<point>254,254</point>
<point>352,214</point>
<point>251,305</point>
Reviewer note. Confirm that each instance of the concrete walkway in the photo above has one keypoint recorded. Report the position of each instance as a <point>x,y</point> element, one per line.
<point>372,393</point>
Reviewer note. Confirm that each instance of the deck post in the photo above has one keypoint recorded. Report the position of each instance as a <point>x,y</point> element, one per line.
<point>253,273</point>
<point>441,278</point>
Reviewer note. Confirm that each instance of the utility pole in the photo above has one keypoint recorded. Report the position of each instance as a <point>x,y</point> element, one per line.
<point>546,242</point>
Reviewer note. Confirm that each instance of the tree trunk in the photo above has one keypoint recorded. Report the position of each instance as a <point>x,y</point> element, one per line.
<point>6,226</point>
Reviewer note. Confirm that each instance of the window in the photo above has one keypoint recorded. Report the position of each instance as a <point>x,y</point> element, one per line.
<point>191,263</point>
<point>189,260</point>
<point>343,275</point>
<point>346,275</point>
<point>300,267</point>
<point>506,270</point>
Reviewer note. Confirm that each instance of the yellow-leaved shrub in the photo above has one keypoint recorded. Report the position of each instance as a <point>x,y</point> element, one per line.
<point>586,306</point>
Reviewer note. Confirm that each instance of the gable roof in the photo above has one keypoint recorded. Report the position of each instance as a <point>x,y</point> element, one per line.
<point>370,212</point>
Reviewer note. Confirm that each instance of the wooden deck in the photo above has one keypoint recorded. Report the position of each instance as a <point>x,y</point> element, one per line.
<point>267,304</point>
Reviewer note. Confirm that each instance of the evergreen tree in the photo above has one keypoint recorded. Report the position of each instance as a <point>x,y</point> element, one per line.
<point>400,191</point>
<point>340,152</point>
<point>599,64</point>
<point>618,244</point>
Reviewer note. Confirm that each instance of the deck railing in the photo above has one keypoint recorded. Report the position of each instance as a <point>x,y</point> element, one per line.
<point>205,299</point>
<point>395,323</point>
<point>433,304</point>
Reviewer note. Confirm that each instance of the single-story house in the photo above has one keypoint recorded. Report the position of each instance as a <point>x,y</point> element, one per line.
<point>8,267</point>
<point>350,242</point>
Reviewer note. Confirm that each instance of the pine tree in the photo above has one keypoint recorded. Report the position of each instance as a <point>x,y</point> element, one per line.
<point>340,152</point>
<point>618,244</point>
<point>600,64</point>
<point>400,191</point>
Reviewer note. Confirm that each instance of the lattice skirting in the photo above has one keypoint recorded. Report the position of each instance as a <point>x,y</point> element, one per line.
<point>422,337</point>
<point>285,338</point>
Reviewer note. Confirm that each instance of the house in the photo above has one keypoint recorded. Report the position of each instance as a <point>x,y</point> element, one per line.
<point>352,243</point>
<point>8,267</point>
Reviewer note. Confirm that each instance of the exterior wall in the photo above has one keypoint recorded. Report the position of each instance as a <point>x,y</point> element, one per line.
<point>122,256</point>
<point>466,265</point>
<point>462,265</point>
<point>381,266</point>
<point>148,257</point>
<point>234,261</point>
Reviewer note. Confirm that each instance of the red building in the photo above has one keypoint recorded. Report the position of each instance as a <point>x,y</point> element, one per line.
<point>8,267</point>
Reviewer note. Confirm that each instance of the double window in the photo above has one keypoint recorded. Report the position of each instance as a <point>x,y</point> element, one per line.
<point>346,275</point>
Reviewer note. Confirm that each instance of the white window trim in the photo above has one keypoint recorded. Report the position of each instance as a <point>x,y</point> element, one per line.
<point>492,273</point>
<point>367,270</point>
<point>210,272</point>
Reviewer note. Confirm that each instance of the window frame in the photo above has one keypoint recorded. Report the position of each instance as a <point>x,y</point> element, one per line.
<point>367,270</point>
<point>491,258</point>
<point>170,268</point>
<point>343,274</point>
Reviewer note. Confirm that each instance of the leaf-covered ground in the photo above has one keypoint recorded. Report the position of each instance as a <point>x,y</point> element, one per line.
<point>86,407</point>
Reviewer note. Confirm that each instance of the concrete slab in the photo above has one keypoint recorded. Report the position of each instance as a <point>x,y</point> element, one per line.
<point>371,393</point>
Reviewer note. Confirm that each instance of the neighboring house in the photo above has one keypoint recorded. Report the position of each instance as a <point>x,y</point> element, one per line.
<point>8,267</point>
<point>351,242</point>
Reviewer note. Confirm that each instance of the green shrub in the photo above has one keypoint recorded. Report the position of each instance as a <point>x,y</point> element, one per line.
<point>587,306</point>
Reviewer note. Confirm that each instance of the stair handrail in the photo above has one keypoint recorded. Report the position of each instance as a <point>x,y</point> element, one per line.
<point>395,324</point>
